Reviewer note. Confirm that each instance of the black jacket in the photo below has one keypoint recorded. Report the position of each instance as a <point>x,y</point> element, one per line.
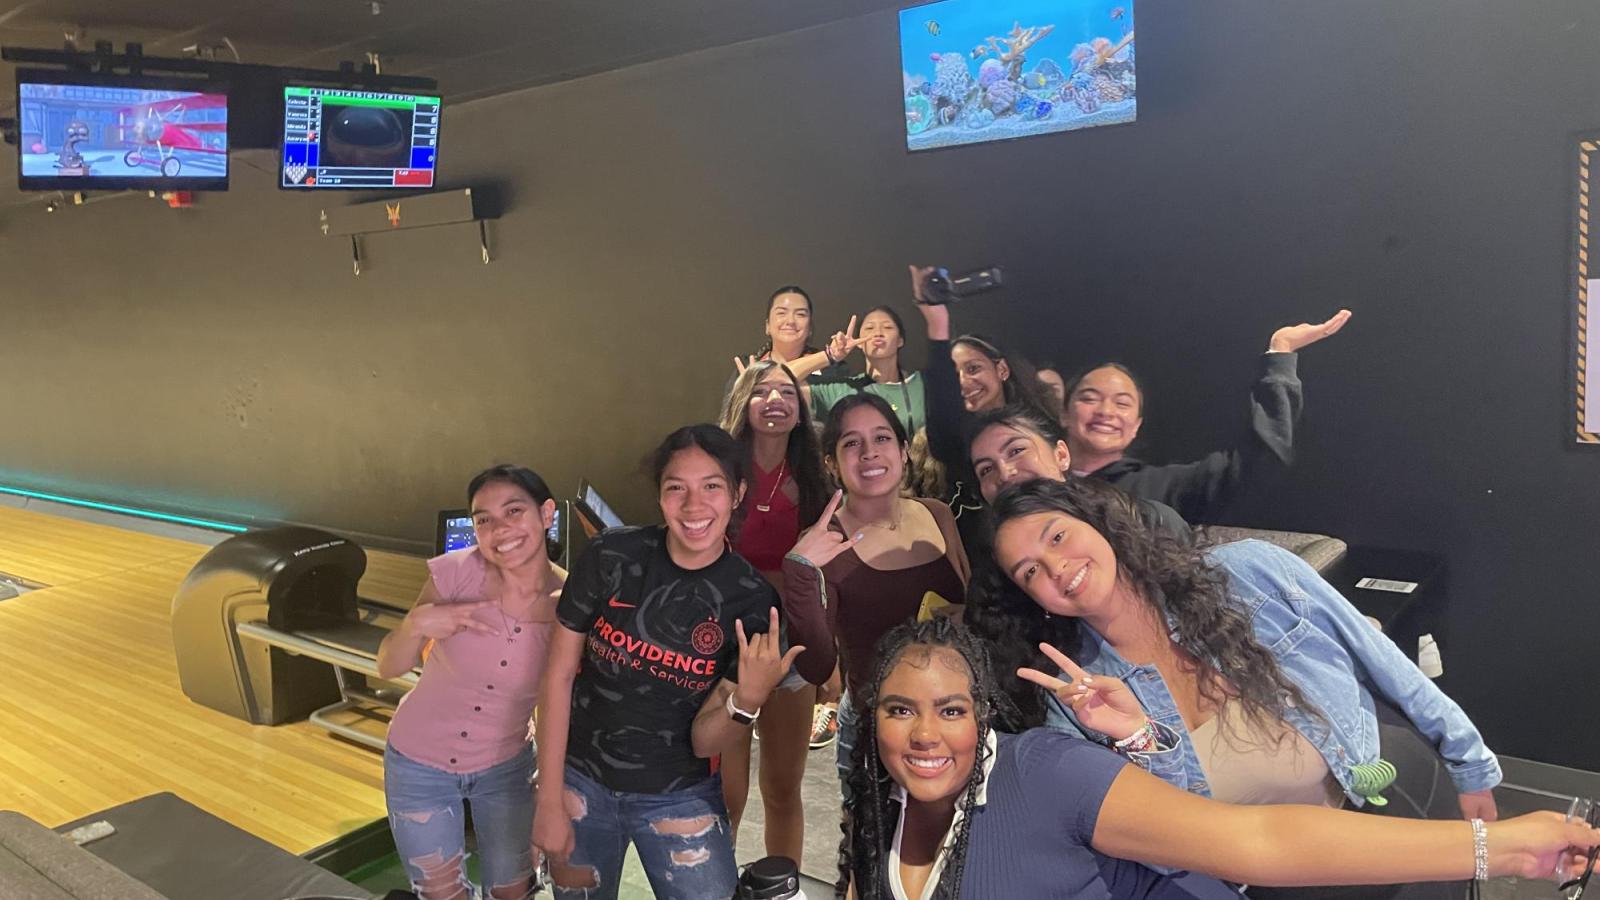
<point>1201,490</point>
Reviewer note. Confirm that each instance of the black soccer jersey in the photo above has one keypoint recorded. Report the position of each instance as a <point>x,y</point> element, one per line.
<point>659,638</point>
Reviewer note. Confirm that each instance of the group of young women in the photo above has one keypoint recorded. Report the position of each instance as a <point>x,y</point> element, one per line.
<point>1051,689</point>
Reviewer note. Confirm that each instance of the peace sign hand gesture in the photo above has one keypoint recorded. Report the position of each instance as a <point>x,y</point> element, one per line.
<point>761,663</point>
<point>819,544</point>
<point>1291,338</point>
<point>1100,702</point>
<point>844,342</point>
<point>740,365</point>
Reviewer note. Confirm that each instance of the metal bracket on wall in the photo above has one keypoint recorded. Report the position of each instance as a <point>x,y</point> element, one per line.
<point>424,211</point>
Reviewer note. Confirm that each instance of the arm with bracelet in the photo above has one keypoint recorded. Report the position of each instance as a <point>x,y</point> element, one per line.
<point>736,703</point>
<point>1103,709</point>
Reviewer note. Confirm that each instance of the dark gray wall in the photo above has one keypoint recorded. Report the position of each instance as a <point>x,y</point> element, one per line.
<point>1410,160</point>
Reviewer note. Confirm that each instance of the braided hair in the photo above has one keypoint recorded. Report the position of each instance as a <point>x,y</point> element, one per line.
<point>869,821</point>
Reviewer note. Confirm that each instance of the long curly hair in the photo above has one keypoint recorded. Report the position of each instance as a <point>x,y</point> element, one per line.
<point>869,821</point>
<point>802,453</point>
<point>1174,579</point>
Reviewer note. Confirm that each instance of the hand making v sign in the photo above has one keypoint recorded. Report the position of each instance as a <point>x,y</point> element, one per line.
<point>1100,702</point>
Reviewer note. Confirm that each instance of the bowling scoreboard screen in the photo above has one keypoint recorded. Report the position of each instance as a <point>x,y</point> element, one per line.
<point>367,140</point>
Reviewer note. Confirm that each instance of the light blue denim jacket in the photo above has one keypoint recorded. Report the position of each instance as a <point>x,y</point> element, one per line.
<point>1326,648</point>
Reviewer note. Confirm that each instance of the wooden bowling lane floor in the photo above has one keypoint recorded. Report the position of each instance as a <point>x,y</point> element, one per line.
<point>91,713</point>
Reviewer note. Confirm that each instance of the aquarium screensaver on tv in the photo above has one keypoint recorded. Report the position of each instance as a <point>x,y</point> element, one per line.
<point>990,70</point>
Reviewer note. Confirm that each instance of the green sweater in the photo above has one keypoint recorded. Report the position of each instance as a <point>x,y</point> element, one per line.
<point>905,396</point>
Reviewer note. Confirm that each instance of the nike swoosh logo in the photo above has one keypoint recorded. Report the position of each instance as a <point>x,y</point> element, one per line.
<point>620,605</point>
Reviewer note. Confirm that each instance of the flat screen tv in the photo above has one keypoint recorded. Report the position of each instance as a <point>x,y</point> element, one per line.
<point>334,138</point>
<point>86,132</point>
<point>988,70</point>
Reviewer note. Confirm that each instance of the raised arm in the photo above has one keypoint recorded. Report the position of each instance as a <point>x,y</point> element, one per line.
<point>1200,490</point>
<point>942,389</point>
<point>1147,820</point>
<point>762,664</point>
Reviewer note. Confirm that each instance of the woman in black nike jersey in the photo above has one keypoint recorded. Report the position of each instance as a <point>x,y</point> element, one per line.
<point>667,647</point>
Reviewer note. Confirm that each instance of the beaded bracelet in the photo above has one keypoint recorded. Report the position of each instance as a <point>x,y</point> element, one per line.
<point>1480,851</point>
<point>1141,741</point>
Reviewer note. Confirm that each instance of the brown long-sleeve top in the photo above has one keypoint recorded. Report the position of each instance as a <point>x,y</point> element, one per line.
<point>854,604</point>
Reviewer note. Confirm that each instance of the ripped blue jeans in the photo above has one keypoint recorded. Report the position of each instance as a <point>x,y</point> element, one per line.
<point>429,825</point>
<point>682,837</point>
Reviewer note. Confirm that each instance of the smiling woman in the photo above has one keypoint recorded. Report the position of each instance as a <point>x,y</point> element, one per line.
<point>459,735</point>
<point>874,559</point>
<point>625,736</point>
<point>766,414</point>
<point>949,807</point>
<point>1269,679</point>
<point>1105,408</point>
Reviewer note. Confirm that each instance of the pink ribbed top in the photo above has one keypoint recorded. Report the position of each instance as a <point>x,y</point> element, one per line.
<point>470,709</point>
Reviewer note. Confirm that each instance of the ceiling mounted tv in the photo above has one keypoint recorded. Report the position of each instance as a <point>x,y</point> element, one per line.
<point>989,70</point>
<point>365,140</point>
<point>90,132</point>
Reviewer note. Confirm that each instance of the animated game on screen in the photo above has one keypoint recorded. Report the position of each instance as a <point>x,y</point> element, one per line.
<point>358,139</point>
<point>980,70</point>
<point>90,131</point>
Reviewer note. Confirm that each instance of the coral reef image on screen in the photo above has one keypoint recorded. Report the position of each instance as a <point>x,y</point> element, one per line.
<point>985,70</point>
<point>95,131</point>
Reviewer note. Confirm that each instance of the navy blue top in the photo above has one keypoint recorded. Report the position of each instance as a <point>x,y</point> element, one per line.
<point>1031,838</point>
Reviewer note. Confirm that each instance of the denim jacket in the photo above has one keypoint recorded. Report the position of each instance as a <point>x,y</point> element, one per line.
<point>1327,649</point>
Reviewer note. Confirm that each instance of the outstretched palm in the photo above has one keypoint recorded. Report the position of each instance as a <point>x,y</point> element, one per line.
<point>1290,338</point>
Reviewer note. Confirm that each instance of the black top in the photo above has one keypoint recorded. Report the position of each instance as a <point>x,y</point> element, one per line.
<point>1201,490</point>
<point>947,419</point>
<point>659,637</point>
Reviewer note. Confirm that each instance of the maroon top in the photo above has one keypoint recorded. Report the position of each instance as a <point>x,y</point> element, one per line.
<point>855,604</point>
<point>768,534</point>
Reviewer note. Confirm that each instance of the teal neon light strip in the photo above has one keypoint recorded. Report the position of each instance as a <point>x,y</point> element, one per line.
<point>127,510</point>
